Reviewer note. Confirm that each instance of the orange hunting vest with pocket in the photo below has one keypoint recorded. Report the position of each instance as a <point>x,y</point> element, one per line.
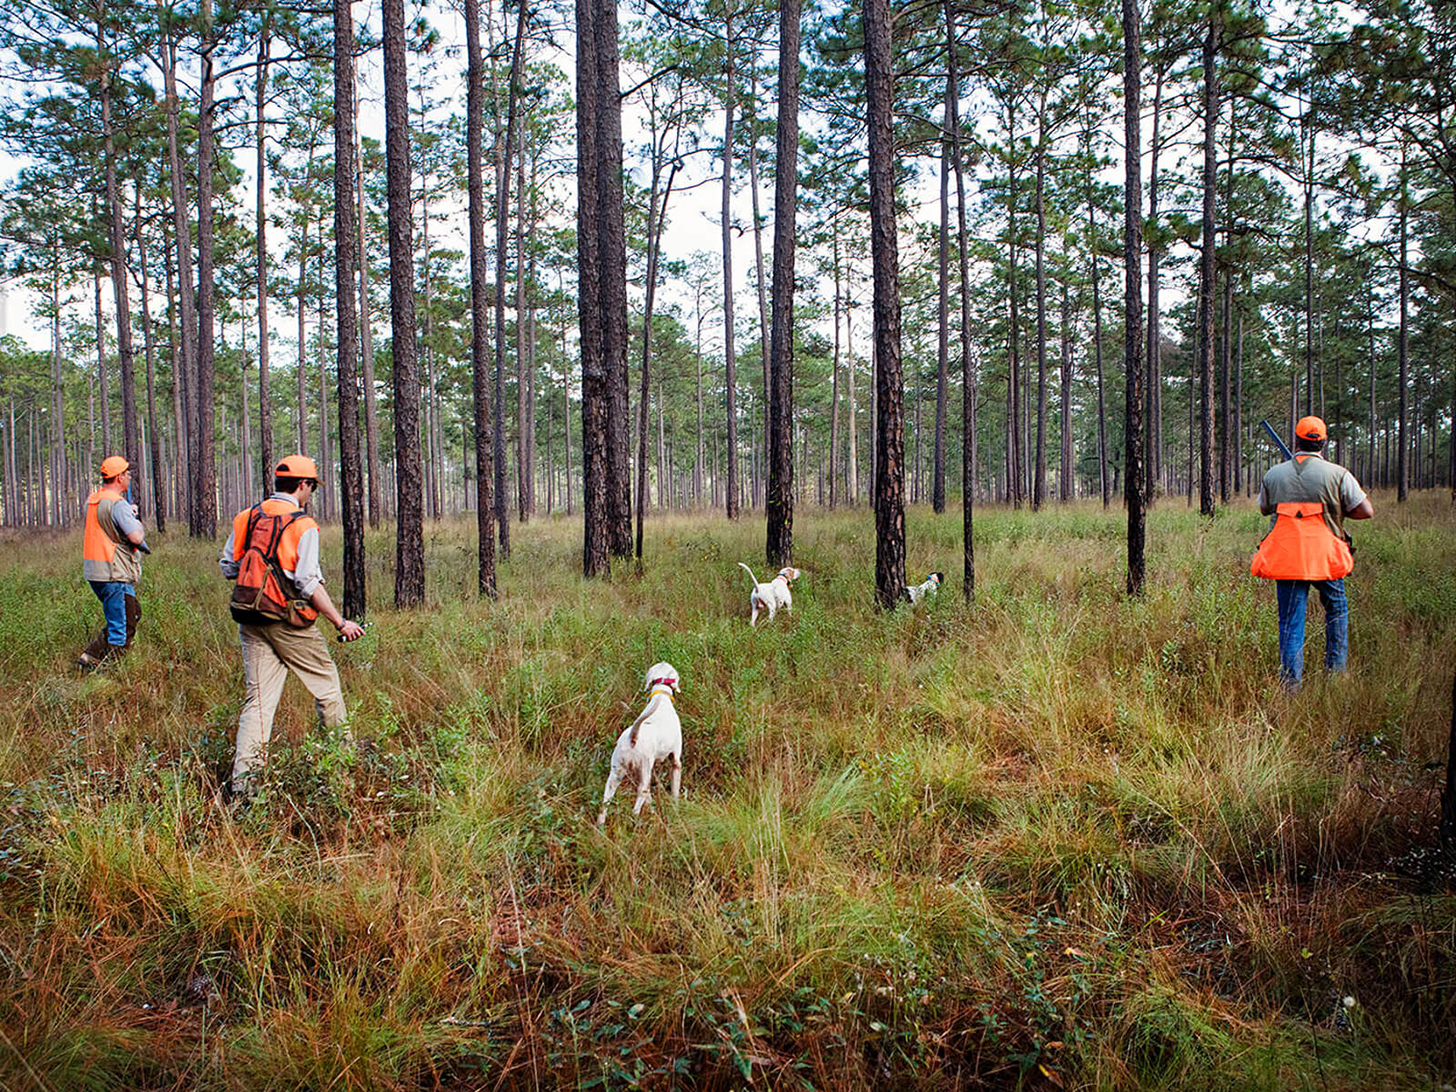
<point>1307,541</point>
<point>102,561</point>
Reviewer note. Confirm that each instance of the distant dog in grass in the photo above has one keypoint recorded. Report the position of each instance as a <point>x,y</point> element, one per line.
<point>773,595</point>
<point>929,586</point>
<point>656,734</point>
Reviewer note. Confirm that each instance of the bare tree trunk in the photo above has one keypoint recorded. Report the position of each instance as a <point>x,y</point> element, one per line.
<point>779,499</point>
<point>890,410</point>
<point>1133,303</point>
<point>942,370</point>
<point>184,358</point>
<point>366,333</point>
<point>260,228</point>
<point>409,570</point>
<point>968,384</point>
<point>1402,468</point>
<point>611,221</point>
<point>1207,271</point>
<point>1014,452</point>
<point>101,377</point>
<point>523,374</point>
<point>763,316</point>
<point>834,380</point>
<point>594,395</point>
<point>852,469</point>
<point>1066,482</point>
<point>204,459</point>
<point>346,239</point>
<point>656,217</point>
<point>503,150</point>
<point>64,509</point>
<point>731,408</point>
<point>131,440</point>
<point>1153,437</point>
<point>479,275</point>
<point>1038,484</point>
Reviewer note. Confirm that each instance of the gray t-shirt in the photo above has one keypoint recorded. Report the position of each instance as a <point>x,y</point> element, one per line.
<point>124,516</point>
<point>1351,495</point>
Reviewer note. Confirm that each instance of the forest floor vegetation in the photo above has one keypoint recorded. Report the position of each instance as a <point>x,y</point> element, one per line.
<point>1056,838</point>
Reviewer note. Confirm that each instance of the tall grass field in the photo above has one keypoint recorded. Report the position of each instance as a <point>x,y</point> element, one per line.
<point>1053,839</point>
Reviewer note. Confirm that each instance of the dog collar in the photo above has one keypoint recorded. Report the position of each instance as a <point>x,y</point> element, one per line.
<point>664,690</point>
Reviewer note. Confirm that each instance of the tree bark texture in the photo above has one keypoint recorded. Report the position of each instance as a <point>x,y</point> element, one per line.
<point>890,395</point>
<point>409,571</point>
<point>779,499</point>
<point>479,318</point>
<point>1207,267</point>
<point>1132,300</point>
<point>351,465</point>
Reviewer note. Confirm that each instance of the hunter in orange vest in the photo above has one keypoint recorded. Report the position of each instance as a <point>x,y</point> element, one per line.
<point>272,557</point>
<point>111,560</point>
<point>1310,499</point>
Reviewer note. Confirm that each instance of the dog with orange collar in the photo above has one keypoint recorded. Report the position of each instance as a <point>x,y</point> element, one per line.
<point>655,735</point>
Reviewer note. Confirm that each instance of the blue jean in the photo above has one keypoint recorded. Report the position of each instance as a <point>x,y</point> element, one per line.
<point>1293,596</point>
<point>113,605</point>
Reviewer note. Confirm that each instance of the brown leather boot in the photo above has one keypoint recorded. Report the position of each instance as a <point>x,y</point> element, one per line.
<point>133,616</point>
<point>95,651</point>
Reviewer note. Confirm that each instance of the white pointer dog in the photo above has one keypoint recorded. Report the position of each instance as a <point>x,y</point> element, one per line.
<point>655,734</point>
<point>929,586</point>
<point>773,595</point>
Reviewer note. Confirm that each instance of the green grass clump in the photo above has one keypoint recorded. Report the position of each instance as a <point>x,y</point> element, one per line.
<point>1052,838</point>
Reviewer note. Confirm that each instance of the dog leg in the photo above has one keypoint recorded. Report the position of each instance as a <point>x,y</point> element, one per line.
<point>613,780</point>
<point>644,787</point>
<point>676,777</point>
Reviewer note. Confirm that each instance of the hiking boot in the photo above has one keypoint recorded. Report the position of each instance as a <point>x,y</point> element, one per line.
<point>90,660</point>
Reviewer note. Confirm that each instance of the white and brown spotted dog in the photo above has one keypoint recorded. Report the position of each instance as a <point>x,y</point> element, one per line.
<point>655,735</point>
<point>927,587</point>
<point>773,595</point>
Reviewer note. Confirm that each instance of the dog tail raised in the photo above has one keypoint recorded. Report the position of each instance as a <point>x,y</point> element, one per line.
<point>749,571</point>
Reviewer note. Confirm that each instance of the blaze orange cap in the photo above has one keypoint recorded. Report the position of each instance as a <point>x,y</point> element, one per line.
<point>297,466</point>
<point>113,465</point>
<point>1310,428</point>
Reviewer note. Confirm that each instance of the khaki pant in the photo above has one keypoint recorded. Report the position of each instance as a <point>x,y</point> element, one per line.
<point>269,653</point>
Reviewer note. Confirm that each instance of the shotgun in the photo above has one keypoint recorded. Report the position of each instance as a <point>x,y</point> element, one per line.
<point>1283,447</point>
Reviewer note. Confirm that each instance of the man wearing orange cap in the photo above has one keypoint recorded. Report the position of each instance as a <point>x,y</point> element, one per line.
<point>1310,499</point>
<point>272,555</point>
<point>111,561</point>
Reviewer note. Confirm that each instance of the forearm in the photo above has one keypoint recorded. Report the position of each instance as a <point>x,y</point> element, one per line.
<point>325,606</point>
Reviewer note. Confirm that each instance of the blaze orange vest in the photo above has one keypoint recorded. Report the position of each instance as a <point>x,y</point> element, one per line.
<point>1307,541</point>
<point>102,561</point>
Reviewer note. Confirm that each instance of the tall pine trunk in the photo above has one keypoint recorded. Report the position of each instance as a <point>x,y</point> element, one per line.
<point>730,364</point>
<point>779,500</point>
<point>1207,267</point>
<point>351,467</point>
<point>260,229</point>
<point>1132,301</point>
<point>409,570</point>
<point>889,495</point>
<point>203,523</point>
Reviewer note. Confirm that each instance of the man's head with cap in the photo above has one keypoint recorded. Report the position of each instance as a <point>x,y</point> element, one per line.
<point>292,470</point>
<point>1310,434</point>
<point>113,467</point>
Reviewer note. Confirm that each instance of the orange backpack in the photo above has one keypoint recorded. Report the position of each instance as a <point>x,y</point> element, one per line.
<point>1301,546</point>
<point>263,593</point>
